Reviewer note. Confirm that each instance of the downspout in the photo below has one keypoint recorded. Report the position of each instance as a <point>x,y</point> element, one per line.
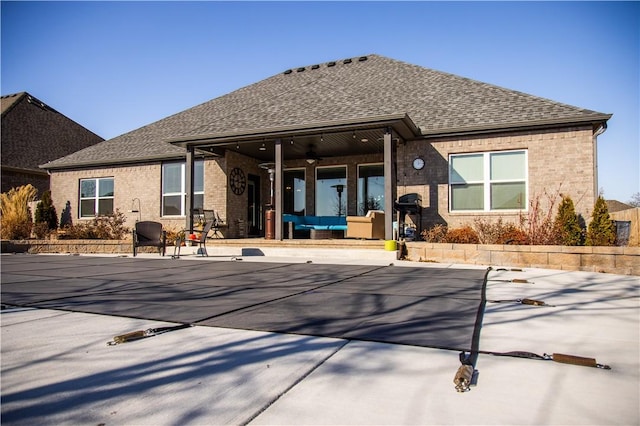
<point>598,132</point>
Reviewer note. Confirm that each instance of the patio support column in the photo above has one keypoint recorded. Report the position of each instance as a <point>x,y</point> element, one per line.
<point>389,184</point>
<point>278,189</point>
<point>188,186</point>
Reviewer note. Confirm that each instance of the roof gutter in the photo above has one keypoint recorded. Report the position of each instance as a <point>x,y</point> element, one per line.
<point>23,170</point>
<point>127,162</point>
<point>600,120</point>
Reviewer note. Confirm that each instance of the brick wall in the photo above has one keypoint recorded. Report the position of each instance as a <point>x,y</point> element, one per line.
<point>143,182</point>
<point>559,161</point>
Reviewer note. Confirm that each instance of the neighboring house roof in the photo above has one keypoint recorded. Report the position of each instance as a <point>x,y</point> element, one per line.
<point>34,133</point>
<point>350,90</point>
<point>8,101</point>
<point>617,206</point>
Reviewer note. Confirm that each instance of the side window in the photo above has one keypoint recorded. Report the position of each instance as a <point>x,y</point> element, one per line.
<point>489,181</point>
<point>466,180</point>
<point>508,180</point>
<point>174,188</point>
<point>96,197</point>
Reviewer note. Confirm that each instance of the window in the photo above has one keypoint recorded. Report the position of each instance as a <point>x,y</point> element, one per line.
<point>489,181</point>
<point>174,188</point>
<point>294,192</point>
<point>370,188</point>
<point>331,191</point>
<point>96,197</point>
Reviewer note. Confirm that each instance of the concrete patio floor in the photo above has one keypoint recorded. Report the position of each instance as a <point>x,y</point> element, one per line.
<point>57,368</point>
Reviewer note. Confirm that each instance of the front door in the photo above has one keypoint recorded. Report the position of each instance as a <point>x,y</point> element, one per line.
<point>254,212</point>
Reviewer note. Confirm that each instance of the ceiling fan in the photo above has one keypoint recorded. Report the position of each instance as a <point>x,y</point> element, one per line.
<point>311,156</point>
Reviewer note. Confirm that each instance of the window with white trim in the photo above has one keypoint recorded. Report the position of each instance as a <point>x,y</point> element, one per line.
<point>96,197</point>
<point>174,188</point>
<point>488,181</point>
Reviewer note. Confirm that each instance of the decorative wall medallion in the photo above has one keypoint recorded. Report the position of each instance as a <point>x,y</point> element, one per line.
<point>237,181</point>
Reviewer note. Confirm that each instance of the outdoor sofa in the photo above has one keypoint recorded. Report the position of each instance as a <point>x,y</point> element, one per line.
<point>316,227</point>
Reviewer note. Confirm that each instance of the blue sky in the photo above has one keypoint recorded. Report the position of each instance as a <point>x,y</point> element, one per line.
<point>117,66</point>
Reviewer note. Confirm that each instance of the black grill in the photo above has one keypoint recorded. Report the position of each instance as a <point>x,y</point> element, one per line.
<point>409,204</point>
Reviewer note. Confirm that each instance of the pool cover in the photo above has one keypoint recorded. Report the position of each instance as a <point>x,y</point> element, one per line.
<point>419,306</point>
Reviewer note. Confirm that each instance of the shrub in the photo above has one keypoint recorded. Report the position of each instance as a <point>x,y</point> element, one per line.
<point>99,228</point>
<point>464,235</point>
<point>15,216</point>
<point>499,232</point>
<point>65,217</point>
<point>41,230</point>
<point>436,234</point>
<point>173,234</point>
<point>46,213</point>
<point>567,223</point>
<point>601,230</point>
<point>513,235</point>
<point>539,224</point>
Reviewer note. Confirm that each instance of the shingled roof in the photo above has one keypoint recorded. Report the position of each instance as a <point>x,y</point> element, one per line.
<point>33,133</point>
<point>351,90</point>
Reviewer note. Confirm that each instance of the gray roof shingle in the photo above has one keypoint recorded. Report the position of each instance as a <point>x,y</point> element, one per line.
<point>33,133</point>
<point>437,102</point>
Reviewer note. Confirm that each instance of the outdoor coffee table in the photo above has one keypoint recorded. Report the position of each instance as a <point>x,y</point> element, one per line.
<point>326,234</point>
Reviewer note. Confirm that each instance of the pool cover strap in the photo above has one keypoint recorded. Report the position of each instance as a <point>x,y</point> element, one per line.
<point>532,302</point>
<point>141,334</point>
<point>561,358</point>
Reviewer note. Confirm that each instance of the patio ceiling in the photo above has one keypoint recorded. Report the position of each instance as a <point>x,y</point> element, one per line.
<point>337,140</point>
<point>323,145</point>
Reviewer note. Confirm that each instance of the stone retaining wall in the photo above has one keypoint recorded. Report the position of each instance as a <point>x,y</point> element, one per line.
<point>70,246</point>
<point>615,260</point>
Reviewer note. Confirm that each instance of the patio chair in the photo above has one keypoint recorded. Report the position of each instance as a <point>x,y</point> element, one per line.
<point>149,234</point>
<point>370,226</point>
<point>201,241</point>
<point>217,223</point>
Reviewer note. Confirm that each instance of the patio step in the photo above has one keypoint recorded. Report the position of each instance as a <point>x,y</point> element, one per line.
<point>325,249</point>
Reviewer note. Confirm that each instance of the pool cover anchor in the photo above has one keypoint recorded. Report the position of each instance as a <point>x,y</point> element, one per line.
<point>142,334</point>
<point>463,378</point>
<point>466,376</point>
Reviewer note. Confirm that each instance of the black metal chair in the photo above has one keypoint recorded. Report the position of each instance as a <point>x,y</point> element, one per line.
<point>201,241</point>
<point>217,223</point>
<point>149,234</point>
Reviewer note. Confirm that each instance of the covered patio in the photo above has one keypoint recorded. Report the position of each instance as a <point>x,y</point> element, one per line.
<point>371,141</point>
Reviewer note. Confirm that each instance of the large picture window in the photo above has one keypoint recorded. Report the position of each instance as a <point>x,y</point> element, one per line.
<point>490,181</point>
<point>174,188</point>
<point>370,188</point>
<point>96,197</point>
<point>331,191</point>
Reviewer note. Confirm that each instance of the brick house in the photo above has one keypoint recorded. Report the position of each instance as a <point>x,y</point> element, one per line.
<point>378,127</point>
<point>34,133</point>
